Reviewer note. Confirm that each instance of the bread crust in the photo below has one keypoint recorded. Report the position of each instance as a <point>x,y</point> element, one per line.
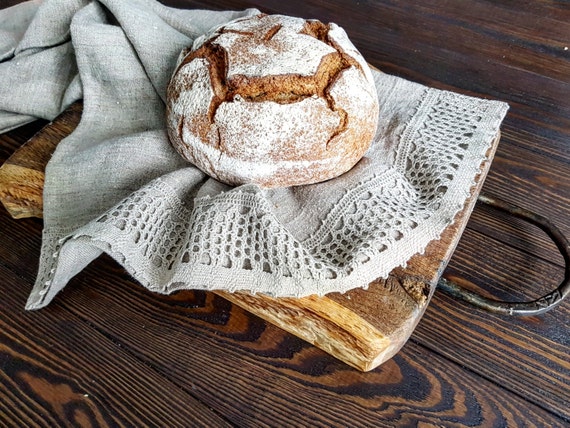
<point>272,100</point>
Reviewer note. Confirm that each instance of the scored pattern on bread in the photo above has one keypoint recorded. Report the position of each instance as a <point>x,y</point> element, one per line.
<point>273,100</point>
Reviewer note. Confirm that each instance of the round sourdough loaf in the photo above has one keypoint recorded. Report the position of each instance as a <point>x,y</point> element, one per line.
<point>272,100</point>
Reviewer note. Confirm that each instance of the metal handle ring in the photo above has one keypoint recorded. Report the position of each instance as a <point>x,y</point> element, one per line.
<point>535,307</point>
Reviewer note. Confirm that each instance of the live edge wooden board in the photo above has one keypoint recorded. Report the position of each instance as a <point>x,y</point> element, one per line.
<point>363,328</point>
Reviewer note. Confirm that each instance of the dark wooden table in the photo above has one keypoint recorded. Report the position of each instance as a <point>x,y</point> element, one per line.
<point>107,352</point>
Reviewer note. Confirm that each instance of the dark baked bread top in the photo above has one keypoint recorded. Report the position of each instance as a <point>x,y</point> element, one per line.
<point>273,100</point>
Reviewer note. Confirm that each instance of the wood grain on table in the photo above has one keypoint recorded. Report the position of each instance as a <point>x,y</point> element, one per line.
<point>108,352</point>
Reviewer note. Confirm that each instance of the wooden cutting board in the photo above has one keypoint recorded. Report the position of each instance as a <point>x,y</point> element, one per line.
<point>363,328</point>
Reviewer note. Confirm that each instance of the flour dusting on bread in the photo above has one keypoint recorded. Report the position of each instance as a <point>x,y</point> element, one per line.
<point>272,100</point>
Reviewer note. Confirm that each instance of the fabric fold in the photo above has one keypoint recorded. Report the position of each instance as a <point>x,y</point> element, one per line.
<point>116,185</point>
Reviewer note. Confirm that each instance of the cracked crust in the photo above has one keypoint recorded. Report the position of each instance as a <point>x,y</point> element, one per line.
<point>272,100</point>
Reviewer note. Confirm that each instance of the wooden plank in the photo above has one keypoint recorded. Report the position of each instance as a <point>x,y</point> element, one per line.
<point>515,233</point>
<point>526,355</point>
<point>295,376</point>
<point>12,141</point>
<point>253,373</point>
<point>348,326</point>
<point>535,175</point>
<point>59,371</point>
<point>22,175</point>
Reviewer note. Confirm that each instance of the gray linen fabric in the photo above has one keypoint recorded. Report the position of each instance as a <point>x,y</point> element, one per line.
<point>116,185</point>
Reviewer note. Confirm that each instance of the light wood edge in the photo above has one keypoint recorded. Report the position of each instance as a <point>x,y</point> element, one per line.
<point>321,322</point>
<point>21,190</point>
<point>22,175</point>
